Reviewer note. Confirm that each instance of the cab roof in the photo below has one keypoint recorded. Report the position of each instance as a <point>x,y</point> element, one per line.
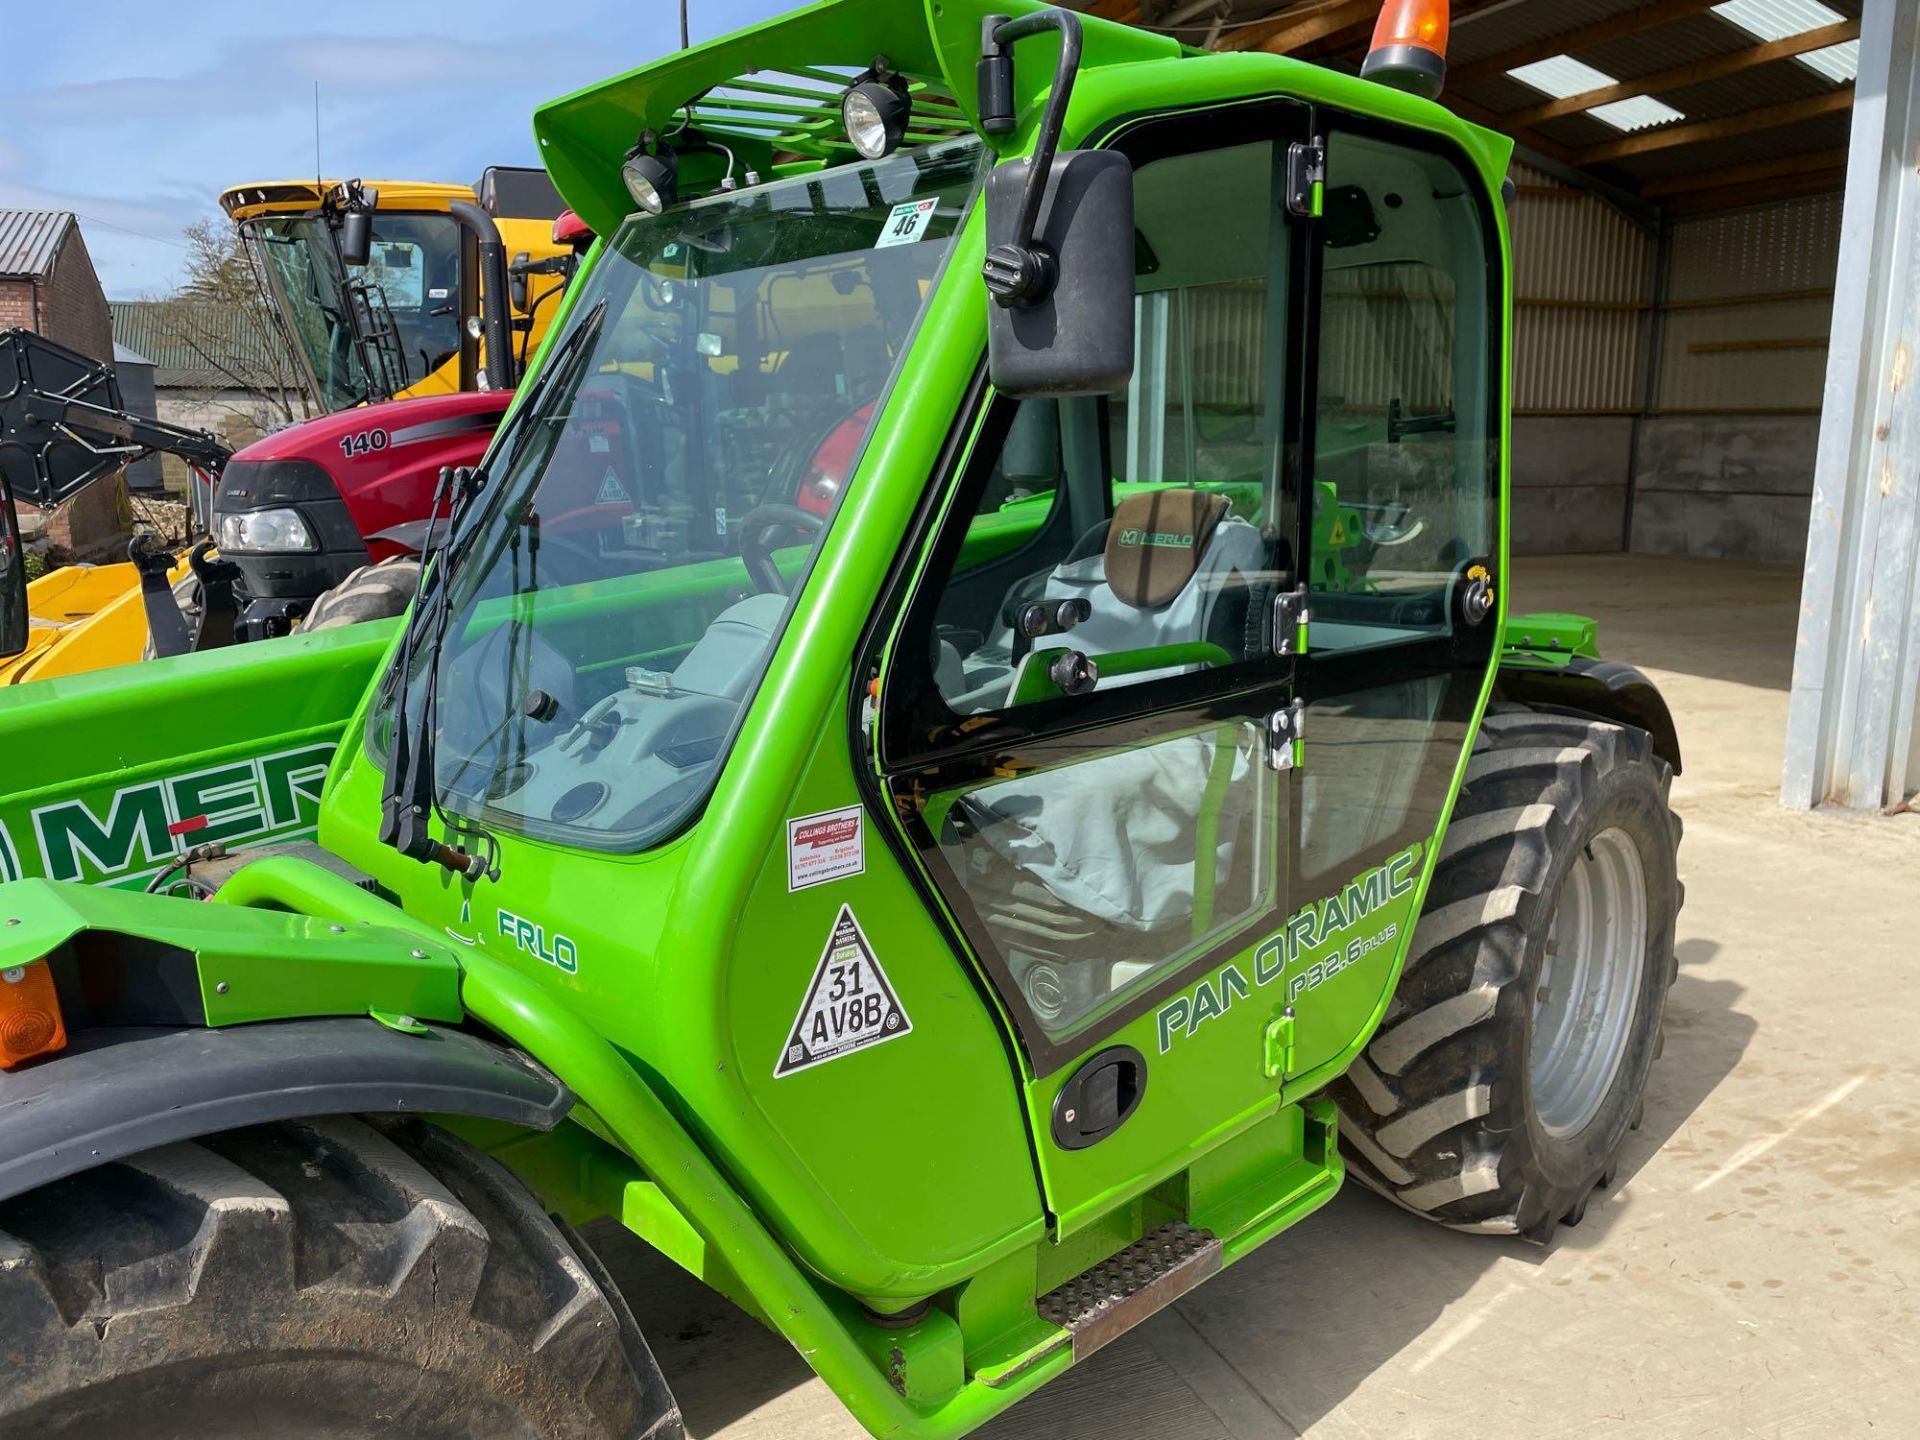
<point>771,93</point>
<point>296,197</point>
<point>782,115</point>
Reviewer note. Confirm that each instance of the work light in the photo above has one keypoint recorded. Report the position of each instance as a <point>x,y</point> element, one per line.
<point>653,180</point>
<point>1410,47</point>
<point>876,113</point>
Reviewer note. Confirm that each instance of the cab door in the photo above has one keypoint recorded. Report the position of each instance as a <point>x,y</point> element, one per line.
<point>1078,696</point>
<point>1403,547</point>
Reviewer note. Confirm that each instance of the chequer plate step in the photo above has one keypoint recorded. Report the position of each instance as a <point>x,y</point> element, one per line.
<point>1100,1305</point>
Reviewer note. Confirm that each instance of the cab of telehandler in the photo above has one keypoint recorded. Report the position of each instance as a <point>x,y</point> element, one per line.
<point>1213,462</point>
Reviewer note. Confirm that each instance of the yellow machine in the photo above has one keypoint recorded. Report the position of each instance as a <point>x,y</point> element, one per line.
<point>394,325</point>
<point>372,279</point>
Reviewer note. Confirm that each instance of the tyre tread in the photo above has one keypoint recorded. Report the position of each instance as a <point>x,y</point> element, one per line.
<point>1421,1110</point>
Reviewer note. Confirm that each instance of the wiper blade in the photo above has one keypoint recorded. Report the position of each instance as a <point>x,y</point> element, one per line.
<point>407,802</point>
<point>411,797</point>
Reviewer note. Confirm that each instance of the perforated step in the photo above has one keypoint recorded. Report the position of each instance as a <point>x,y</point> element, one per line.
<point>1102,1304</point>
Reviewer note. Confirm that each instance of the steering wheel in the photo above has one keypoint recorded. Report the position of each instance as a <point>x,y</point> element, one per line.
<point>756,542</point>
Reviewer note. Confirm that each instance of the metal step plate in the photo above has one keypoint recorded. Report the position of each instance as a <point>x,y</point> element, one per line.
<point>1102,1304</point>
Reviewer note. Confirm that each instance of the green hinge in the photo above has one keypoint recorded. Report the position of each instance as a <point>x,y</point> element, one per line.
<point>1277,1045</point>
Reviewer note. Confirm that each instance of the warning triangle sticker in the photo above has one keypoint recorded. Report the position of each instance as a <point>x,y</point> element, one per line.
<point>849,1006</point>
<point>612,492</point>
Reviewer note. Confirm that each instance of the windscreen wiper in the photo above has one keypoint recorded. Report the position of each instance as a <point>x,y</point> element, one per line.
<point>410,796</point>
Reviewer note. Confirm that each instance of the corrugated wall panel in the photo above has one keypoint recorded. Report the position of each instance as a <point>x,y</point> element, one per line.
<point>1763,354</point>
<point>1581,352</point>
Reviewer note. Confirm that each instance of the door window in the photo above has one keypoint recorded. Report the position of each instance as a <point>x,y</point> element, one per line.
<point>1403,438</point>
<point>1403,502</point>
<point>1106,560</point>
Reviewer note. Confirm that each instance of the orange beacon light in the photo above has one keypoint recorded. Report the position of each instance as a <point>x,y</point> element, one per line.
<point>1410,47</point>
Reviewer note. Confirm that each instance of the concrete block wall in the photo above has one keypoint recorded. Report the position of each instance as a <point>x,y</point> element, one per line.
<point>1726,487</point>
<point>1569,483</point>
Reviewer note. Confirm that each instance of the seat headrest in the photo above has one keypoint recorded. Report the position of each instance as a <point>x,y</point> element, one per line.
<point>1157,542</point>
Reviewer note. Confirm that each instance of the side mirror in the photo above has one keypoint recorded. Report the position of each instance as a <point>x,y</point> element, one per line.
<point>13,580</point>
<point>1060,236</point>
<point>1070,330</point>
<point>356,237</point>
<point>518,270</point>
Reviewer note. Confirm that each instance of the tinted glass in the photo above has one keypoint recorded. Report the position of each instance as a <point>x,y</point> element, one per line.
<point>1404,444</point>
<point>626,577</point>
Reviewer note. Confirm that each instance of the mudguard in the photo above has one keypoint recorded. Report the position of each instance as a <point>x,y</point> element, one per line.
<point>1603,689</point>
<point>114,1092</point>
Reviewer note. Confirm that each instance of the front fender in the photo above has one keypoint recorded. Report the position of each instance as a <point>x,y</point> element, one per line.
<point>1603,689</point>
<point>114,1092</point>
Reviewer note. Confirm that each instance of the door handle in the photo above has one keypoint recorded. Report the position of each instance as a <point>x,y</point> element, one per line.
<point>1477,596</point>
<point>1099,1097</point>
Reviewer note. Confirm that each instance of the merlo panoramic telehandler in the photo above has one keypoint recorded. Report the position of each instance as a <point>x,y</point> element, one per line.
<point>952,917</point>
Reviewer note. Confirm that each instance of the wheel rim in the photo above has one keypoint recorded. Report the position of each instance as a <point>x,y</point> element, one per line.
<point>1589,988</point>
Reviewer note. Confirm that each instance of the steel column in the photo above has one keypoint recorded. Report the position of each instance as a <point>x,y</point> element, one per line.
<point>1856,675</point>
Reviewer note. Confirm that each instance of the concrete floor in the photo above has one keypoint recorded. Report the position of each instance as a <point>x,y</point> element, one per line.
<point>1755,1272</point>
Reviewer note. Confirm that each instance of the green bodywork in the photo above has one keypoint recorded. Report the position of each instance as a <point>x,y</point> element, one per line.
<point>920,1171</point>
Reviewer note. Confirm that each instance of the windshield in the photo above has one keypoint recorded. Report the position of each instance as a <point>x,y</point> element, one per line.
<point>367,331</point>
<point>620,589</point>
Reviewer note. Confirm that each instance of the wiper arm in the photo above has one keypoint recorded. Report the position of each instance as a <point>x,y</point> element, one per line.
<point>410,797</point>
<point>556,372</point>
<point>407,803</point>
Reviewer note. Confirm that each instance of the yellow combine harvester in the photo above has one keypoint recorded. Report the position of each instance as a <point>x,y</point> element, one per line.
<point>392,327</point>
<point>379,289</point>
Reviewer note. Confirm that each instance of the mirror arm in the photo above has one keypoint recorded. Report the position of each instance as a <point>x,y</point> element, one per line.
<point>1022,272</point>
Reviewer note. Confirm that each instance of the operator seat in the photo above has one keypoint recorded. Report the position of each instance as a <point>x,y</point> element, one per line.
<point>1086,875</point>
<point>1174,566</point>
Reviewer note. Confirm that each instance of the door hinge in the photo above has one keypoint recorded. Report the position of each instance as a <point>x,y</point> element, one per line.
<point>1291,616</point>
<point>1306,178</point>
<point>1284,728</point>
<point>1277,1055</point>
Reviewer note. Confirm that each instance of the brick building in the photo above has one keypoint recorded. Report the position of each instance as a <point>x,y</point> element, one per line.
<point>48,284</point>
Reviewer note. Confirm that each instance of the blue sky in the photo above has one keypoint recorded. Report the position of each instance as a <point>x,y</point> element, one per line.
<point>137,113</point>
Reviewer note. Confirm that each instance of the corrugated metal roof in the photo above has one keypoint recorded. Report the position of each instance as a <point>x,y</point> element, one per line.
<point>197,345</point>
<point>30,240</point>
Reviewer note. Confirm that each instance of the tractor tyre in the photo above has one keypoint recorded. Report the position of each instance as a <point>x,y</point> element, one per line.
<point>322,1278</point>
<point>373,592</point>
<point>186,594</point>
<point>1514,1055</point>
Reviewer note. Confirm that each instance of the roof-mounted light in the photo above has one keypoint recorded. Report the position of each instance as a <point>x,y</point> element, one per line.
<point>1410,47</point>
<point>876,109</point>
<point>652,174</point>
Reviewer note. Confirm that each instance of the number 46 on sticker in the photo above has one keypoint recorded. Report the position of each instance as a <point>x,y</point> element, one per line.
<point>907,223</point>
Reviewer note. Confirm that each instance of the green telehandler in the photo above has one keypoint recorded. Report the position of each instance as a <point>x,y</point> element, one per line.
<point>960,762</point>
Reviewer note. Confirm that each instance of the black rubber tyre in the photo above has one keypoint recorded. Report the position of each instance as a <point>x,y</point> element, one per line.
<point>1440,1113</point>
<point>373,592</point>
<point>315,1279</point>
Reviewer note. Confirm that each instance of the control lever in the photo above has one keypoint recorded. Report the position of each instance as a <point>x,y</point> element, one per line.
<point>1074,672</point>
